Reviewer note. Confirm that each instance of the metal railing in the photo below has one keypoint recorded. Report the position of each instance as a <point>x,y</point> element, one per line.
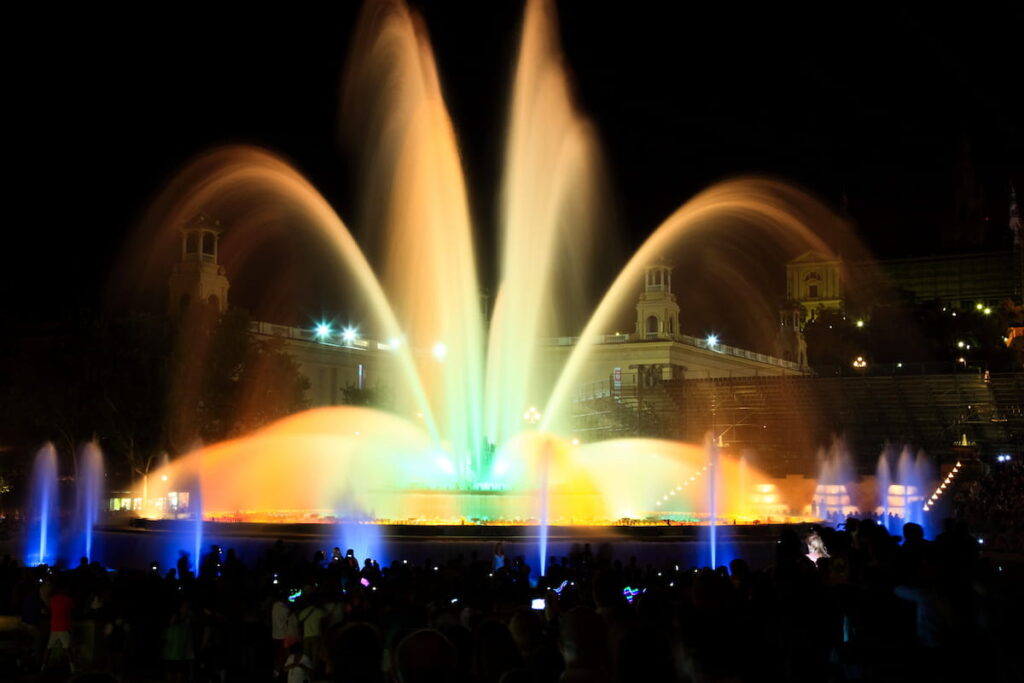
<point>695,342</point>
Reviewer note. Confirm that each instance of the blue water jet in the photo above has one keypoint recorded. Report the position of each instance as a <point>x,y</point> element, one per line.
<point>42,539</point>
<point>356,530</point>
<point>196,508</point>
<point>89,493</point>
<point>542,530</point>
<point>713,503</point>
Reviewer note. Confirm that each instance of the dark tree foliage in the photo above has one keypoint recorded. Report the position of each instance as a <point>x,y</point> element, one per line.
<point>226,381</point>
<point>371,397</point>
<point>88,378</point>
<point>927,334</point>
<point>141,384</point>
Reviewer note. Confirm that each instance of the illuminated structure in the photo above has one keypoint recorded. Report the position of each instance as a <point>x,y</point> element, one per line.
<point>198,276</point>
<point>459,449</point>
<point>657,313</point>
<point>960,281</point>
<point>815,282</point>
<point>333,360</point>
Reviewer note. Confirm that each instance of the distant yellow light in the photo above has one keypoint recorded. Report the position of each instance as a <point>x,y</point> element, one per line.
<point>860,323</point>
<point>163,477</point>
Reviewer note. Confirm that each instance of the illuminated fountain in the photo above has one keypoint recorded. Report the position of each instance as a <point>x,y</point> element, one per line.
<point>47,539</point>
<point>902,498</point>
<point>833,492</point>
<point>460,452</point>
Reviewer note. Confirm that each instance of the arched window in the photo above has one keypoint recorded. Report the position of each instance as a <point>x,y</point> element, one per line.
<point>671,326</point>
<point>652,326</point>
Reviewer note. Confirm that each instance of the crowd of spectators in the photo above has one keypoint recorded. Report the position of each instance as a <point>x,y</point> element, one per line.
<point>993,504</point>
<point>846,604</point>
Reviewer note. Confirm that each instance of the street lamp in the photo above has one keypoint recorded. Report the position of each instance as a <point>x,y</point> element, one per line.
<point>531,416</point>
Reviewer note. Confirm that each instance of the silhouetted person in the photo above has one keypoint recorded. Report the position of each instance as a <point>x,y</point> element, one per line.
<point>425,656</point>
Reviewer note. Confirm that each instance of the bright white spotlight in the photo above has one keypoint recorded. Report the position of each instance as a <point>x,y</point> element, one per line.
<point>323,330</point>
<point>440,350</point>
<point>348,335</point>
<point>394,342</point>
<point>712,340</point>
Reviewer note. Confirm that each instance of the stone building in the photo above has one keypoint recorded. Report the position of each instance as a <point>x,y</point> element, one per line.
<point>636,372</point>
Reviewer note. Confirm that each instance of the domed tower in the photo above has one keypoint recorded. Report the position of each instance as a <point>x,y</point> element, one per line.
<point>657,313</point>
<point>197,277</point>
<point>790,343</point>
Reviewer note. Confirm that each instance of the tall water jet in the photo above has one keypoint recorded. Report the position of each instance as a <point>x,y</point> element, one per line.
<point>907,492</point>
<point>832,493</point>
<point>550,199</point>
<point>883,480</point>
<point>925,477</point>
<point>195,506</point>
<point>544,493</point>
<point>394,106</point>
<point>713,475</point>
<point>43,508</point>
<point>89,493</point>
<point>356,530</point>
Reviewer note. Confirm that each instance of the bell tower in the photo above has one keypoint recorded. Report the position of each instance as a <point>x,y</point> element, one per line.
<point>197,277</point>
<point>657,313</point>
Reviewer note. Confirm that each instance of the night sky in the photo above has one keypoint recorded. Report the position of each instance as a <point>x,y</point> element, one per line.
<point>895,109</point>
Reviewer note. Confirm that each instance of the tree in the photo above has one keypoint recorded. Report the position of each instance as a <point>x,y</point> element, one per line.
<point>142,384</point>
<point>371,397</point>
<point>226,381</point>
<point>85,377</point>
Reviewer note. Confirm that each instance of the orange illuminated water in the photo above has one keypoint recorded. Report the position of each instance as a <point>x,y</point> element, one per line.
<point>428,463</point>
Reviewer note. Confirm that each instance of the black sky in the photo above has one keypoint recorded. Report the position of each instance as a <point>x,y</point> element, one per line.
<point>888,106</point>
